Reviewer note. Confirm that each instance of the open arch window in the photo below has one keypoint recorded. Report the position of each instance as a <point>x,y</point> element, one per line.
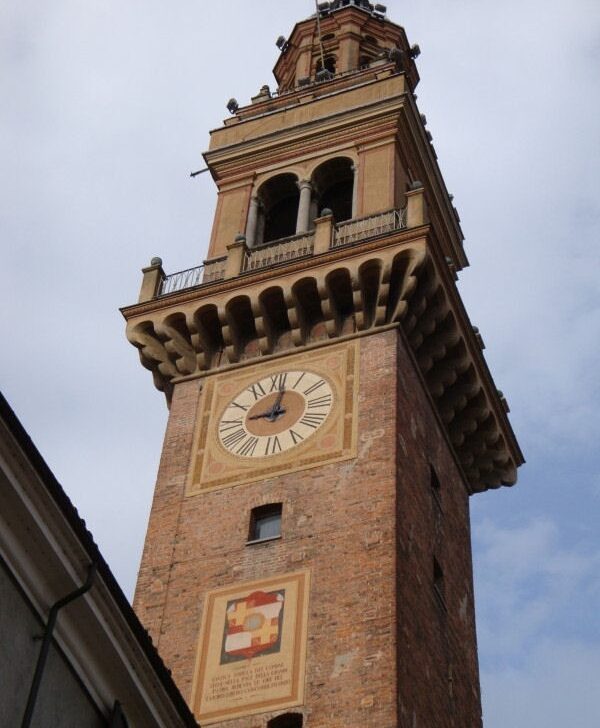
<point>334,182</point>
<point>274,211</point>
<point>330,65</point>
<point>289,720</point>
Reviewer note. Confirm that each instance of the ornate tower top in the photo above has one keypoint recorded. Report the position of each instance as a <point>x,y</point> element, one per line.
<point>349,35</point>
<point>331,409</point>
<point>332,220</point>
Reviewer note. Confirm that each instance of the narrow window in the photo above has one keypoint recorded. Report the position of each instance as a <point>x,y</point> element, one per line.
<point>118,719</point>
<point>265,523</point>
<point>436,489</point>
<point>289,720</point>
<point>438,582</point>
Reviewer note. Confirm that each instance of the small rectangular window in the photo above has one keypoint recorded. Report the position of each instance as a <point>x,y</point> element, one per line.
<point>438,582</point>
<point>436,489</point>
<point>265,523</point>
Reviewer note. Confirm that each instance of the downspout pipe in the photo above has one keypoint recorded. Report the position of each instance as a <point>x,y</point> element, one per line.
<point>47,641</point>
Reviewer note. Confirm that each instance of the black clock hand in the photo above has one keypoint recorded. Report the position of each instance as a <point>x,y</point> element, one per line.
<point>276,410</point>
<point>278,400</point>
<point>259,417</point>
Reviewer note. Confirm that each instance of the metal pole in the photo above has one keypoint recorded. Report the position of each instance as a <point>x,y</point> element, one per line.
<point>41,663</point>
<point>319,32</point>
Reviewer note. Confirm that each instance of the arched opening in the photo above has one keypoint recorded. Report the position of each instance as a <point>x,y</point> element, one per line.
<point>289,720</point>
<point>329,65</point>
<point>334,181</point>
<point>274,211</point>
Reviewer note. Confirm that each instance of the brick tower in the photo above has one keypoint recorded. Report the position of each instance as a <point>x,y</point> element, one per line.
<point>308,556</point>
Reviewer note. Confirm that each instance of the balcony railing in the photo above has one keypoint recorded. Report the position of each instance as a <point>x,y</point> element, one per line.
<point>192,277</point>
<point>279,251</point>
<point>353,231</point>
<point>287,249</point>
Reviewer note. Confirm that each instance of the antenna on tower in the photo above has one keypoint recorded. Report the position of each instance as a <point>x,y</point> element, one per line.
<point>320,36</point>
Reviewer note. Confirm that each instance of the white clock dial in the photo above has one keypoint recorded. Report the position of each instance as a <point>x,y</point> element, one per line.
<point>275,414</point>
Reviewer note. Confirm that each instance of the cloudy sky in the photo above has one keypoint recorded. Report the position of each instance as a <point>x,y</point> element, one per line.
<point>105,109</point>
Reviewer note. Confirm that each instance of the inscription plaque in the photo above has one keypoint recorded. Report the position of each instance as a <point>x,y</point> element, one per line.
<point>252,649</point>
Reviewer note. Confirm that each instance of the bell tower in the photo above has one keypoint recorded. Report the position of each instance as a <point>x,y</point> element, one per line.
<point>308,556</point>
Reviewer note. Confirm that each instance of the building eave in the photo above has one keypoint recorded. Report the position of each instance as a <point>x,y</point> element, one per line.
<point>60,547</point>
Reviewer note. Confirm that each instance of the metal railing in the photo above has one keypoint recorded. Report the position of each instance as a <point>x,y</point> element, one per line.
<point>347,233</point>
<point>192,277</point>
<point>280,251</point>
<point>285,250</point>
<point>311,81</point>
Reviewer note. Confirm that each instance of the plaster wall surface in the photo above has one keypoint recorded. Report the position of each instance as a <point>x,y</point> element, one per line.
<point>62,701</point>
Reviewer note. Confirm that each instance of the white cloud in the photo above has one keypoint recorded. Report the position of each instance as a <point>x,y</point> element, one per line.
<point>531,585</point>
<point>110,107</point>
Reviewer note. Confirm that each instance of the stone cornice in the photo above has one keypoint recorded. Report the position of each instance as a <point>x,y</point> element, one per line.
<point>400,278</point>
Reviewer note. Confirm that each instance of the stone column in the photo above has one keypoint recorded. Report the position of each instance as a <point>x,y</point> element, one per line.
<point>355,191</point>
<point>252,225</point>
<point>303,224</point>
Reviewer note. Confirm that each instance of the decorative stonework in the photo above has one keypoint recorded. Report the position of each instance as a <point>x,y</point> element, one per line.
<point>324,298</point>
<point>230,449</point>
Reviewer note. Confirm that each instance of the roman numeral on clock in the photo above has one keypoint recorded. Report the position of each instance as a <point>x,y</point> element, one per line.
<point>300,378</point>
<point>273,446</point>
<point>248,447</point>
<point>227,425</point>
<point>257,391</point>
<point>234,438</point>
<point>313,419</point>
<point>295,437</point>
<point>236,405</point>
<point>319,402</point>
<point>314,387</point>
<point>278,382</point>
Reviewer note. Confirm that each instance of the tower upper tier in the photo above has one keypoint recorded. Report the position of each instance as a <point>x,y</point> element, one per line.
<point>333,221</point>
<point>350,35</point>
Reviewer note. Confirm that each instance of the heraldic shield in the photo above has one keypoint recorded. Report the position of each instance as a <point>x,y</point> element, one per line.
<point>253,626</point>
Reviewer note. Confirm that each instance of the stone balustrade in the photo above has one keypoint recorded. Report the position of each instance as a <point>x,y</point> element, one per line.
<point>326,236</point>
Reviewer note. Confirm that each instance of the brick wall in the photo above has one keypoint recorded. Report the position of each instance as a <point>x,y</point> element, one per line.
<point>367,529</point>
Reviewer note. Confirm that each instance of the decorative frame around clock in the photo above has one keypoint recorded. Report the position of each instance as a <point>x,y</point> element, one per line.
<point>213,467</point>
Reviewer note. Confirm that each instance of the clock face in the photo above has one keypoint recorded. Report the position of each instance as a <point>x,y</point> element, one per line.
<point>275,414</point>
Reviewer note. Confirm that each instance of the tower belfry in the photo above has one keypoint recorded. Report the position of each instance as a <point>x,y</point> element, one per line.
<point>308,557</point>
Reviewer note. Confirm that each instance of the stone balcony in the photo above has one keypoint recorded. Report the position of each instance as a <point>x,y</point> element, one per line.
<point>242,260</point>
<point>336,282</point>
